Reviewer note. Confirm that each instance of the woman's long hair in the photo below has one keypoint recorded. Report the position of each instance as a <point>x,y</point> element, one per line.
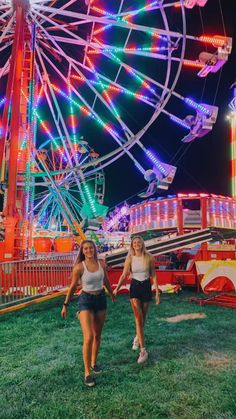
<point>81,256</point>
<point>144,251</point>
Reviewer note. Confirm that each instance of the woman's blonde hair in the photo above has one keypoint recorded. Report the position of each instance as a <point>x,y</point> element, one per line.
<point>81,256</point>
<point>144,251</point>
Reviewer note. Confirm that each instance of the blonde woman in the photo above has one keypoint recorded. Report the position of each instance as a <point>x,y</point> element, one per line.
<point>90,275</point>
<point>140,264</point>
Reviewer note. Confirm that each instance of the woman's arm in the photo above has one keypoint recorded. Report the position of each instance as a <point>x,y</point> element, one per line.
<point>76,275</point>
<point>154,279</point>
<point>125,272</point>
<point>106,281</point>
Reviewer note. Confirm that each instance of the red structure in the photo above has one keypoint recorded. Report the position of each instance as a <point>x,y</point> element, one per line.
<point>184,213</point>
<point>184,231</point>
<point>16,122</point>
<point>186,273</point>
<point>224,300</point>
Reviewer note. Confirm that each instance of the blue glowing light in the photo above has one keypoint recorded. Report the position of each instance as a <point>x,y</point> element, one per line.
<point>156,162</point>
<point>199,107</point>
<point>179,121</point>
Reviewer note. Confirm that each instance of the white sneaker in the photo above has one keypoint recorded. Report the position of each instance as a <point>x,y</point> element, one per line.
<point>135,345</point>
<point>143,356</point>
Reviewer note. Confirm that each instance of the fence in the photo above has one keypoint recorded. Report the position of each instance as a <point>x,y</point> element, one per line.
<point>24,280</point>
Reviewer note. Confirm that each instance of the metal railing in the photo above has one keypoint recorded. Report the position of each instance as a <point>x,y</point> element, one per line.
<point>25,280</point>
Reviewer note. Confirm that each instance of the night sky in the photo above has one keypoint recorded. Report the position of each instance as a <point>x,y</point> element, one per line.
<point>203,165</point>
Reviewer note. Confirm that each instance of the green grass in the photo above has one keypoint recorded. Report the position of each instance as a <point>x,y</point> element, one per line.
<point>191,372</point>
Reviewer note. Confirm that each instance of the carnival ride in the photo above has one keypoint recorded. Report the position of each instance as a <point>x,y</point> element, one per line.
<point>191,236</point>
<point>232,118</point>
<point>96,70</point>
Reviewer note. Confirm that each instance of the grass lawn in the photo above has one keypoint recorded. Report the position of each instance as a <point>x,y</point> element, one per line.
<point>191,372</point>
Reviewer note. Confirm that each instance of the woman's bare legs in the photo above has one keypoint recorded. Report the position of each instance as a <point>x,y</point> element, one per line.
<point>99,319</point>
<point>139,321</point>
<point>86,318</point>
<point>144,308</point>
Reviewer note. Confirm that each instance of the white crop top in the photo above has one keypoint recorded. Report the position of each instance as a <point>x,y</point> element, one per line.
<point>92,281</point>
<point>139,268</point>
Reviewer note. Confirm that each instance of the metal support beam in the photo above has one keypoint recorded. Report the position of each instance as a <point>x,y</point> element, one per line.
<point>15,114</point>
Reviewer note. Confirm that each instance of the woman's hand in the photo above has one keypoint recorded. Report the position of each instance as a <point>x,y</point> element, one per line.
<point>157,298</point>
<point>64,312</point>
<point>113,297</point>
<point>115,292</point>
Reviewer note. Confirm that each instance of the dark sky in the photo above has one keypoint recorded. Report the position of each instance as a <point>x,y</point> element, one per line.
<point>203,165</point>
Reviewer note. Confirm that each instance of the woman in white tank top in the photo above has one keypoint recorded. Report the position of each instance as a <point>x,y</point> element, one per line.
<point>140,265</point>
<point>90,275</point>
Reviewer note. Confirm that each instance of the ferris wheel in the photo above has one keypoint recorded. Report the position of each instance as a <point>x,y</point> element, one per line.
<point>84,198</point>
<point>99,70</point>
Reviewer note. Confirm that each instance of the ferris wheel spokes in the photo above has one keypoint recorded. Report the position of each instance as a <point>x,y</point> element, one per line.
<point>79,40</point>
<point>121,89</point>
<point>97,94</point>
<point>7,13</point>
<point>75,67</point>
<point>89,108</point>
<point>137,164</point>
<point>106,21</point>
<point>59,115</point>
<point>6,29</point>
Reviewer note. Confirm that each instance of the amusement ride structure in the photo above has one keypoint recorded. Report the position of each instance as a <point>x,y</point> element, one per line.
<point>232,119</point>
<point>81,83</point>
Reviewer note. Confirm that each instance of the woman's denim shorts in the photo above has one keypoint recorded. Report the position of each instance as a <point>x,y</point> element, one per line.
<point>92,302</point>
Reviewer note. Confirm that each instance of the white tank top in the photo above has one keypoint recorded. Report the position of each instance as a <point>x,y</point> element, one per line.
<point>139,268</point>
<point>92,281</point>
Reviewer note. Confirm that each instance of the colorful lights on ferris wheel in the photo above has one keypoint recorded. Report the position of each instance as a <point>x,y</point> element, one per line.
<point>216,40</point>
<point>89,197</point>
<point>131,71</point>
<point>156,162</point>
<point>179,121</point>
<point>2,101</point>
<point>43,124</point>
<point>125,17</point>
<point>102,29</point>
<point>86,111</point>
<point>139,167</point>
<point>127,50</point>
<point>72,115</point>
<point>198,106</point>
<point>190,4</point>
<point>104,92</point>
<point>113,88</point>
<point>194,64</point>
<point>100,11</point>
<point>73,122</point>
<point>199,124</point>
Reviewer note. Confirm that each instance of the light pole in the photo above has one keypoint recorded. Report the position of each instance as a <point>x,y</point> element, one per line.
<point>232,119</point>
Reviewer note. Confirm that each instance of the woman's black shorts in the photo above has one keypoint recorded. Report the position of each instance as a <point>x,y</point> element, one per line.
<point>92,302</point>
<point>142,290</point>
